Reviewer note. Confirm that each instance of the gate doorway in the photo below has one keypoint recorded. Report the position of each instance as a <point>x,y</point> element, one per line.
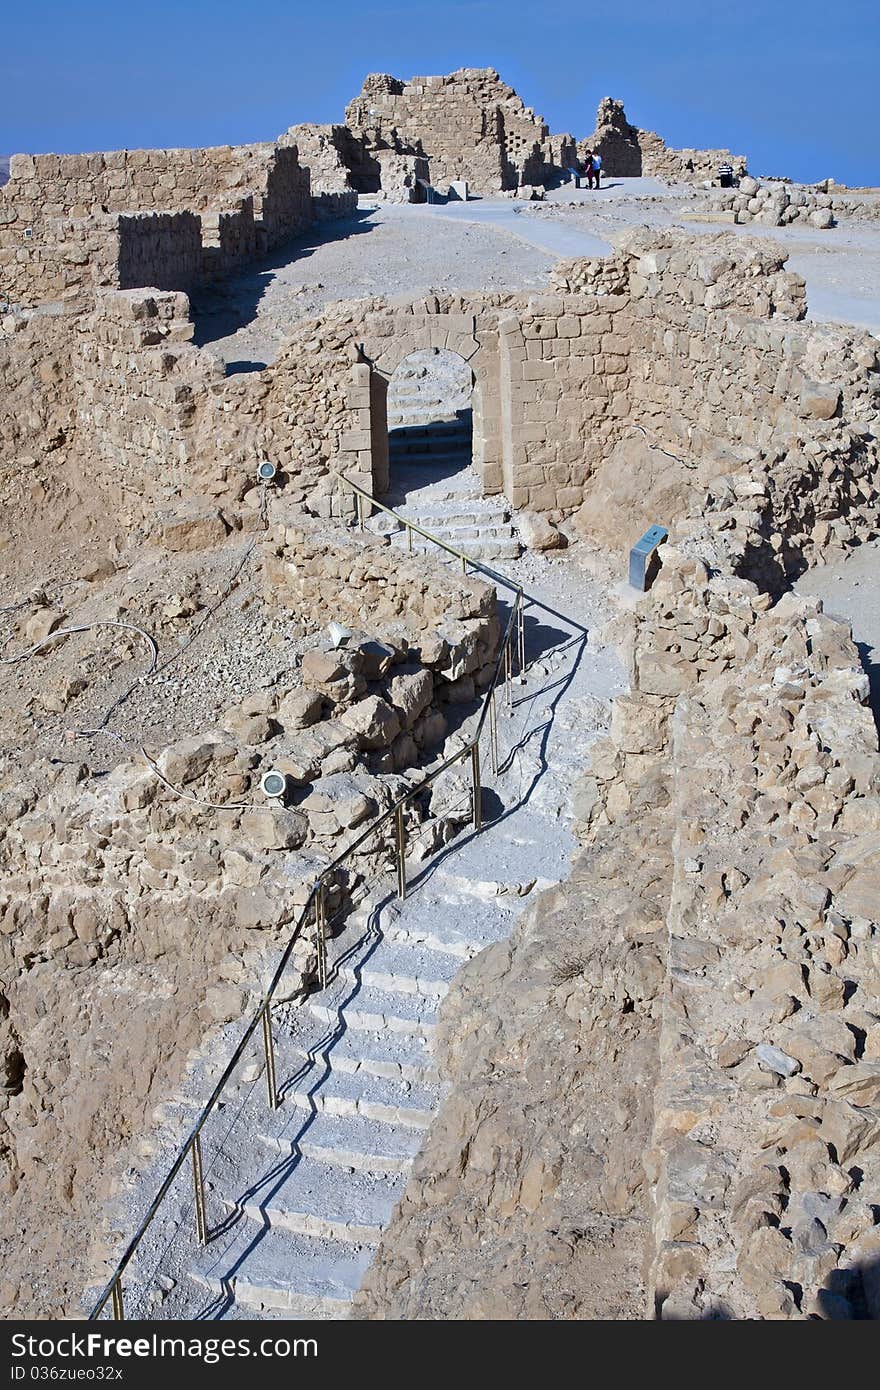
<point>429,410</point>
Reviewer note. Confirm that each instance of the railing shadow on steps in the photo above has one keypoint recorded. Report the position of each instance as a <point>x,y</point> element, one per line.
<point>511,655</point>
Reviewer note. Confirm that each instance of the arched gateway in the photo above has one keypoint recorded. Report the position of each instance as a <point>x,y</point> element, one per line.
<point>542,405</point>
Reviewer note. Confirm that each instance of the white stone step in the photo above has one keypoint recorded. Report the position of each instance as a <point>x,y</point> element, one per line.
<point>448,460</point>
<point>374,1097</point>
<point>277,1271</point>
<point>319,1199</point>
<point>396,969</point>
<point>462,936</point>
<point>350,1141</point>
<point>398,1057</point>
<point>375,1009</point>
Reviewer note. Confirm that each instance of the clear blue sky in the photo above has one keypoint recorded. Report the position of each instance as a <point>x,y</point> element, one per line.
<point>791,83</point>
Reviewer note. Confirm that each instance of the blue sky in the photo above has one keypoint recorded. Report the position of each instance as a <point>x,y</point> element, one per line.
<point>792,85</point>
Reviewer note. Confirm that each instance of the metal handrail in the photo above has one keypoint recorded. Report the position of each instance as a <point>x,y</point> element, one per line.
<point>191,1148</point>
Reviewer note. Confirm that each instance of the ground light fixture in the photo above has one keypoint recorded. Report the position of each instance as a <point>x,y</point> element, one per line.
<point>274,784</point>
<point>266,471</point>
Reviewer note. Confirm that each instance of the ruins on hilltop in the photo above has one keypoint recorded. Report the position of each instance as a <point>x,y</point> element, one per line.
<point>321,673</point>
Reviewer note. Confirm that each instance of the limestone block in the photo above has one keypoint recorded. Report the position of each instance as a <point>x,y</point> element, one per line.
<point>274,828</point>
<point>373,721</point>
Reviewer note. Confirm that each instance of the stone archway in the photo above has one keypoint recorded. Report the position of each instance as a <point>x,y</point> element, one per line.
<point>393,334</point>
<point>429,412</point>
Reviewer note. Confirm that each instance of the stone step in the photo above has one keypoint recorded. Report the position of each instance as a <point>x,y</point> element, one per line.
<point>374,1097</point>
<point>375,1054</point>
<point>438,520</point>
<point>276,1271</point>
<point>396,969</point>
<point>447,930</point>
<point>475,550</point>
<point>319,1199</point>
<point>453,535</point>
<point>430,429</point>
<point>374,1009</point>
<point>351,1141</point>
<point>439,456</point>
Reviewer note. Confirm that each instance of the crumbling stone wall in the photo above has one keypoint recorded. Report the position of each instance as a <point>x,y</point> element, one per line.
<point>59,237</point>
<point>36,403</point>
<point>764,1143</point>
<point>68,259</point>
<point>730,396</point>
<point>468,124</point>
<point>627,151</point>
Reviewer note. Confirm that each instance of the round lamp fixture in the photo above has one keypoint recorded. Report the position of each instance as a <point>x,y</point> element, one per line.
<point>274,784</point>
<point>266,471</point>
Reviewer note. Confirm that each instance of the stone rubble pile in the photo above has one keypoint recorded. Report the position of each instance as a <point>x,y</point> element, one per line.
<point>779,203</point>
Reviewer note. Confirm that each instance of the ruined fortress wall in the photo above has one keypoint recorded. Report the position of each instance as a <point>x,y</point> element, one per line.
<point>70,258</point>
<point>729,394</point>
<point>194,180</point>
<point>60,236</point>
<point>469,124</point>
<point>37,410</point>
<point>629,152</point>
<point>689,165</point>
<point>325,151</point>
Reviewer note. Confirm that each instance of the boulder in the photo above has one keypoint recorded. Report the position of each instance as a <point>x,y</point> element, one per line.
<point>820,401</point>
<point>410,693</point>
<point>188,760</point>
<point>300,708</point>
<point>194,529</point>
<point>373,721</point>
<point>537,533</point>
<point>268,827</point>
<point>42,624</point>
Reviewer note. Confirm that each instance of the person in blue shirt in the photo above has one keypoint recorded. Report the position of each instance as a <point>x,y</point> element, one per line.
<point>597,167</point>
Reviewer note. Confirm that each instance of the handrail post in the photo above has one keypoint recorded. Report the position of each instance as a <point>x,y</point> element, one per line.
<point>199,1187</point>
<point>321,934</point>
<point>409,536</point>
<point>360,507</point>
<point>477,789</point>
<point>464,564</point>
<point>118,1307</point>
<point>522,633</point>
<point>401,853</point>
<point>269,1048</point>
<point>507,675</point>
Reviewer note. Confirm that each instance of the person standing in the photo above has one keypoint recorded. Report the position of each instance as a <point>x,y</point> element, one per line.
<point>589,170</point>
<point>597,167</point>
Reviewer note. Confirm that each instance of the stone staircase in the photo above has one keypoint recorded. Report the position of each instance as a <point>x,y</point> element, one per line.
<point>452,508</point>
<point>432,481</point>
<point>297,1198</point>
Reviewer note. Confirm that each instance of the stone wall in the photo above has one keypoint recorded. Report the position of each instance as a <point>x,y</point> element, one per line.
<point>690,166</point>
<point>61,237</point>
<point>766,1122</point>
<point>68,259</point>
<point>730,396</point>
<point>469,125</point>
<point>37,412</point>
